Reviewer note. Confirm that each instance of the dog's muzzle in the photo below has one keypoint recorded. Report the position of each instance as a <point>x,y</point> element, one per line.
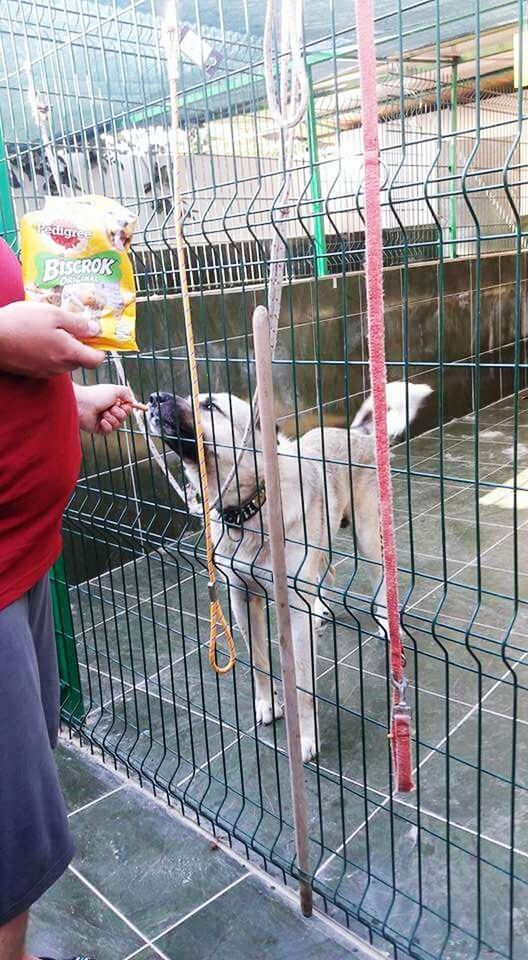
<point>160,411</point>
<point>171,417</point>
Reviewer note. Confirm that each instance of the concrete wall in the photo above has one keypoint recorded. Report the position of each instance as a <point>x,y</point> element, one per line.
<point>321,356</point>
<point>320,365</point>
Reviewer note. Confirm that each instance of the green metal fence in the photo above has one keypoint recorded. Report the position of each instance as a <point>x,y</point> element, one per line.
<point>440,873</point>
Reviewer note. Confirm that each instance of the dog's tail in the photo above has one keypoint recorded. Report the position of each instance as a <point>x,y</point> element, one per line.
<point>397,421</point>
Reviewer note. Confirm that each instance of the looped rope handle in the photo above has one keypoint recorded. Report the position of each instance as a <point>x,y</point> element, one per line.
<point>290,47</point>
<point>219,626</point>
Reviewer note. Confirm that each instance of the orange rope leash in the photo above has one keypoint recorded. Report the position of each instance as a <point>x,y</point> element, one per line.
<point>219,624</point>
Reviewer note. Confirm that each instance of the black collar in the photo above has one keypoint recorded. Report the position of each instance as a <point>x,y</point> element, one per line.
<point>236,516</point>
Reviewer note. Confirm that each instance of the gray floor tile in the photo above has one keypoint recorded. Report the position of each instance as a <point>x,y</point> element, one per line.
<point>511,696</point>
<point>450,537</point>
<point>496,452</point>
<point>452,787</point>
<point>101,691</point>
<point>70,920</point>
<point>145,862</point>
<point>420,448</point>
<point>508,557</point>
<point>420,886</point>
<point>502,475</point>
<point>464,505</point>
<point>249,922</point>
<point>158,737</point>
<point>459,604</point>
<point>82,780</point>
<point>92,604</point>
<point>133,645</point>
<point>361,578</point>
<point>455,662</point>
<point>492,426</point>
<point>424,494</point>
<point>144,576</point>
<point>227,698</point>
<point>455,469</point>
<point>361,688</point>
<point>249,786</point>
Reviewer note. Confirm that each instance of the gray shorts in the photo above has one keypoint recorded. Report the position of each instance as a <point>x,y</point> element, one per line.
<point>35,840</point>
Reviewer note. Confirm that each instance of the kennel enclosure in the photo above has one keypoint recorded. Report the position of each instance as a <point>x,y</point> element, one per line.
<point>84,100</point>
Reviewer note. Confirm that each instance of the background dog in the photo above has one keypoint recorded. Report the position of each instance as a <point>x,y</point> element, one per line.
<point>120,226</point>
<point>326,477</point>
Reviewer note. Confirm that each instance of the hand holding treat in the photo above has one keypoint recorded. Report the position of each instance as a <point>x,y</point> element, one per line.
<point>103,407</point>
<point>75,255</point>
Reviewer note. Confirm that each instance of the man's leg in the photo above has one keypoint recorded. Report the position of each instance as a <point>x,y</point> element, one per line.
<point>35,840</point>
<point>12,937</point>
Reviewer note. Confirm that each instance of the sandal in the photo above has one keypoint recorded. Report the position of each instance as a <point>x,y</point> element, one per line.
<point>79,957</point>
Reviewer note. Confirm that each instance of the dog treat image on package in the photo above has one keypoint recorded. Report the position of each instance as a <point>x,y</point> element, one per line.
<point>75,256</point>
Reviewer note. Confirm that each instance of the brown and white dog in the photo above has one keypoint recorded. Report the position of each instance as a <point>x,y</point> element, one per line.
<point>325,475</point>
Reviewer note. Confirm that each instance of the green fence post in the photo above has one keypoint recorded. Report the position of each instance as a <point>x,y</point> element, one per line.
<point>71,694</point>
<point>321,260</point>
<point>70,679</point>
<point>453,160</point>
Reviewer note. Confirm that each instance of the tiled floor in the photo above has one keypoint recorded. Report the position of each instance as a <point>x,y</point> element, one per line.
<point>145,884</point>
<point>448,865</point>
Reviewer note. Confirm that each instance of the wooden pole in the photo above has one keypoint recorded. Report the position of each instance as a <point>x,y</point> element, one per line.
<point>261,333</point>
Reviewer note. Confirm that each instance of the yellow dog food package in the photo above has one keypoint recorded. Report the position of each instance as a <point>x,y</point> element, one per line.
<point>75,255</point>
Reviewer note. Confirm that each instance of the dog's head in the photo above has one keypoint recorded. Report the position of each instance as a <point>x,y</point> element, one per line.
<point>120,229</point>
<point>223,417</point>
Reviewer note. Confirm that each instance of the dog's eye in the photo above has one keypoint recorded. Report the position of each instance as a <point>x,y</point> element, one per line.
<point>209,404</point>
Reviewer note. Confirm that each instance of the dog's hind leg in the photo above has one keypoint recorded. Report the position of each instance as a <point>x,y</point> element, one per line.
<point>249,613</point>
<point>370,546</point>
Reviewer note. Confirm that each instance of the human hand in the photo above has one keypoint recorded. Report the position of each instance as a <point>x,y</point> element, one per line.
<point>103,407</point>
<point>40,340</point>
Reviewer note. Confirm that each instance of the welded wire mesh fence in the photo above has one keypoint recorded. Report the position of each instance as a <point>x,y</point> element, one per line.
<point>441,873</point>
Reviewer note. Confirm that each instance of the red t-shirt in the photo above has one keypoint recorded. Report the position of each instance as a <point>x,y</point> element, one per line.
<point>39,461</point>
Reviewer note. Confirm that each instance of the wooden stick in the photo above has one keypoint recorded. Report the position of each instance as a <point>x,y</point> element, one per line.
<point>261,339</point>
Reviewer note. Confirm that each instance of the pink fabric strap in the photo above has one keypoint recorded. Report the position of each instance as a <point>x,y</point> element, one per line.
<point>400,733</point>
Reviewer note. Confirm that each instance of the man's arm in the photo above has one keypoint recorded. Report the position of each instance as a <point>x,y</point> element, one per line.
<point>39,340</point>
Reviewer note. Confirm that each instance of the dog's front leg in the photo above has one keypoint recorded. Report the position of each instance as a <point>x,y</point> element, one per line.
<point>305,649</point>
<point>249,613</point>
